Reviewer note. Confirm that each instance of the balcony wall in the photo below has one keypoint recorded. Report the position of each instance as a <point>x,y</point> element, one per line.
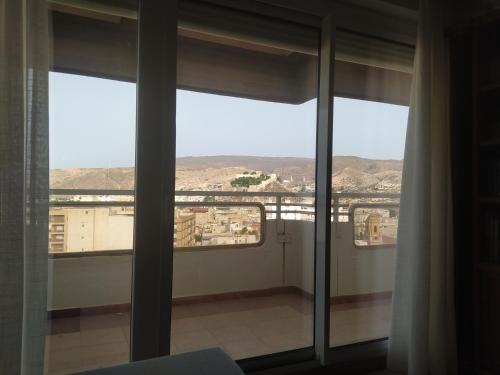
<point>103,280</point>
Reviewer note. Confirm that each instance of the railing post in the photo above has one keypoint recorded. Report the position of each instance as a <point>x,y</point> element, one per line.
<point>336,214</point>
<point>278,207</point>
<point>335,205</point>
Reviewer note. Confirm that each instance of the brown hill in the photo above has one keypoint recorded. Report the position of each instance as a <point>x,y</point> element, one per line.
<point>349,173</point>
<point>92,178</point>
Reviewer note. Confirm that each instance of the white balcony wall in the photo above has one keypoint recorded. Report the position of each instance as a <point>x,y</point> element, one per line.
<point>353,270</point>
<point>205,272</point>
<point>90,281</point>
<point>300,254</point>
<point>362,270</point>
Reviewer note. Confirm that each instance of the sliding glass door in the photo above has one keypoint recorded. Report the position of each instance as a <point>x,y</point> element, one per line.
<point>92,96</point>
<point>243,269</point>
<point>372,89</point>
<point>260,223</point>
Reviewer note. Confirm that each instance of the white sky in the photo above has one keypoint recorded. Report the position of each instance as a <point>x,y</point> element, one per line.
<point>92,124</point>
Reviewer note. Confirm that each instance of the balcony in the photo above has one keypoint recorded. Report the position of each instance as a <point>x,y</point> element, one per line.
<point>249,300</point>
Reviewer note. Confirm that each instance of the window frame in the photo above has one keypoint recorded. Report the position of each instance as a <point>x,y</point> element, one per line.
<point>127,251</point>
<point>153,255</point>
<point>321,354</point>
<point>159,16</point>
<point>263,223</point>
<point>152,271</point>
<point>353,208</point>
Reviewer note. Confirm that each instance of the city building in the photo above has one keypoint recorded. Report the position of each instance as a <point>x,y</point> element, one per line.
<point>184,230</point>
<point>372,229</point>
<point>74,229</point>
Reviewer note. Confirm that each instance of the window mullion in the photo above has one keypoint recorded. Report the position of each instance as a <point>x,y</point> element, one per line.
<point>323,191</point>
<point>155,179</point>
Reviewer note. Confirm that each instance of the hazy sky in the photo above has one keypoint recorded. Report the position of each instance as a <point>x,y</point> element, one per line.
<point>92,124</point>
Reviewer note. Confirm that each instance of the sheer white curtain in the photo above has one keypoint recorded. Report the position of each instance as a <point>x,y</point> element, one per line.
<point>23,184</point>
<point>422,337</point>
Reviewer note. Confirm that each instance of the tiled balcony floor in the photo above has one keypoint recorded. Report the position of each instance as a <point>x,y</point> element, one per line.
<point>243,327</point>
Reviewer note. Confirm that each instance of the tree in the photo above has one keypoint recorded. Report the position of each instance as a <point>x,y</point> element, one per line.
<point>247,181</point>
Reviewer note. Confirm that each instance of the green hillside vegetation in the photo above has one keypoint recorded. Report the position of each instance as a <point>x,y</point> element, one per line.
<point>250,180</point>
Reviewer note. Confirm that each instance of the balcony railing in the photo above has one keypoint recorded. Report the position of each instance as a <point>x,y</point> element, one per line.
<point>283,263</point>
<point>89,232</point>
<point>278,205</point>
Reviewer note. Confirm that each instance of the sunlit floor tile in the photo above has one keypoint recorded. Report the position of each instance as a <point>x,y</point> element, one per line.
<point>243,327</point>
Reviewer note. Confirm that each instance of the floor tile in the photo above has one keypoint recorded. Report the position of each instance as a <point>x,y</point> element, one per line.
<point>243,327</point>
<point>102,336</point>
<point>246,348</point>
<point>195,340</point>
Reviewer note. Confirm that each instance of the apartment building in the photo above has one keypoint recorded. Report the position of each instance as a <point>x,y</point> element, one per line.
<point>90,229</point>
<point>184,230</point>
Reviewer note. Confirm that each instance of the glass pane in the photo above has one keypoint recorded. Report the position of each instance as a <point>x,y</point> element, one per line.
<point>218,225</point>
<point>375,225</point>
<point>246,128</point>
<point>369,130</point>
<point>92,160</point>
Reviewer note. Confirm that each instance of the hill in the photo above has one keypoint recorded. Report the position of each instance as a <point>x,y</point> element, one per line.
<point>215,172</point>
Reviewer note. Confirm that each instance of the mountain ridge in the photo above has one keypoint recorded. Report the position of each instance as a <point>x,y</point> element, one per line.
<point>350,173</point>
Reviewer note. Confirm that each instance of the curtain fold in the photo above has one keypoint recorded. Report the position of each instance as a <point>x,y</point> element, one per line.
<point>422,339</point>
<point>23,184</point>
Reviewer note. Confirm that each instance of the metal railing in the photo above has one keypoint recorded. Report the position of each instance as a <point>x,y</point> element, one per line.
<point>279,205</point>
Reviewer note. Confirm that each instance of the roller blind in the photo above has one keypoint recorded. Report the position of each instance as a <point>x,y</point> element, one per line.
<point>263,56</point>
<point>360,49</point>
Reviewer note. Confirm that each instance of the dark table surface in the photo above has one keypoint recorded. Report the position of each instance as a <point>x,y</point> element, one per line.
<point>203,362</point>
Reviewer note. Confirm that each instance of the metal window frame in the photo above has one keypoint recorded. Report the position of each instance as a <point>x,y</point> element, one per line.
<point>104,252</point>
<point>155,179</point>
<point>262,207</point>
<point>382,206</point>
<point>155,166</point>
<point>262,223</point>
<point>323,201</point>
